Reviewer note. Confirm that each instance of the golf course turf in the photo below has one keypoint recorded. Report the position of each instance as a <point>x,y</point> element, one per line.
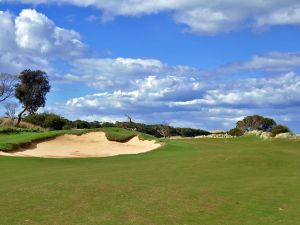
<point>239,181</point>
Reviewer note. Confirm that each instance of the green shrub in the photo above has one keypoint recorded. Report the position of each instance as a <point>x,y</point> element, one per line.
<point>236,132</point>
<point>190,132</point>
<point>279,129</point>
<point>55,122</point>
<point>47,120</point>
<point>80,124</point>
<point>108,124</point>
<point>119,134</point>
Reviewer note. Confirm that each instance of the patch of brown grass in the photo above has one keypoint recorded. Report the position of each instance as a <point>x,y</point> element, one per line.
<point>6,122</point>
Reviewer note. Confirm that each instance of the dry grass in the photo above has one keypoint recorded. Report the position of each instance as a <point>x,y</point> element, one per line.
<point>8,123</point>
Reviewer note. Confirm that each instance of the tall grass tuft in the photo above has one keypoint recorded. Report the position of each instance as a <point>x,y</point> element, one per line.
<point>9,126</point>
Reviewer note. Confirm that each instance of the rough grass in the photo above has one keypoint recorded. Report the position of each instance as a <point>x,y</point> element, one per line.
<point>119,134</point>
<point>8,126</point>
<point>241,181</point>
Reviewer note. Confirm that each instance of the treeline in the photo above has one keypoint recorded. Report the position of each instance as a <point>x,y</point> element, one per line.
<point>55,122</point>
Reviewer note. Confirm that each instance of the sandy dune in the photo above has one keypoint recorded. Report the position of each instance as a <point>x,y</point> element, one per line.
<point>88,145</point>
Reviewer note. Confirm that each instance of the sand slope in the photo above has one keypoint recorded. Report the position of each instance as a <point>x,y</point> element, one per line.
<point>93,144</point>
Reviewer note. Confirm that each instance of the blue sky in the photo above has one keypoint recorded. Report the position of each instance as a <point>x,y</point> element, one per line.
<point>195,63</point>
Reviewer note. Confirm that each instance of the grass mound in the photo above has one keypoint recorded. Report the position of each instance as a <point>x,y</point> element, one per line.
<point>119,134</point>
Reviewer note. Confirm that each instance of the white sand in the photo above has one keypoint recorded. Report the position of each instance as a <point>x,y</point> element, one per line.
<point>88,145</point>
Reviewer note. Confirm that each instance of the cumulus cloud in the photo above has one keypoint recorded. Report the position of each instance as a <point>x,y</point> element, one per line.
<point>200,16</point>
<point>37,33</point>
<point>270,62</point>
<point>30,40</point>
<point>259,92</point>
<point>150,92</point>
<point>230,100</point>
<point>117,72</point>
<point>284,16</point>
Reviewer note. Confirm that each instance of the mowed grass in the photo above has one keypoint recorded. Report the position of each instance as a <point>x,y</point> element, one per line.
<point>243,181</point>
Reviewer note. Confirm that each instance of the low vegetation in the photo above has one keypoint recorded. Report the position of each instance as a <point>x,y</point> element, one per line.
<point>47,120</point>
<point>259,123</point>
<point>237,132</point>
<point>119,135</point>
<point>8,126</point>
<point>279,129</point>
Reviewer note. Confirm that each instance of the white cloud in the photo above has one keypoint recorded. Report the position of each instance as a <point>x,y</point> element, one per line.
<point>285,16</point>
<point>150,92</point>
<point>38,34</point>
<point>208,21</point>
<point>258,92</point>
<point>118,72</point>
<point>270,62</point>
<point>229,101</point>
<point>30,40</point>
<point>200,16</point>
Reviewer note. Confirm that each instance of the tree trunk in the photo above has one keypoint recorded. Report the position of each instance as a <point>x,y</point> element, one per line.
<point>20,116</point>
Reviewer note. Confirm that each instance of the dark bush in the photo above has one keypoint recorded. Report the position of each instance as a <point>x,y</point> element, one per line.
<point>279,129</point>
<point>95,124</point>
<point>108,124</point>
<point>55,122</point>
<point>156,129</point>
<point>47,120</point>
<point>236,132</point>
<point>190,132</point>
<point>81,124</point>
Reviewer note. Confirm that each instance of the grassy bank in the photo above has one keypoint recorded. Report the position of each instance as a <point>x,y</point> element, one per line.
<point>118,134</point>
<point>12,140</point>
<point>238,181</point>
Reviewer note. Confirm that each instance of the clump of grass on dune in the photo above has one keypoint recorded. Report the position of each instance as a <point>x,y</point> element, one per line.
<point>119,134</point>
<point>8,126</point>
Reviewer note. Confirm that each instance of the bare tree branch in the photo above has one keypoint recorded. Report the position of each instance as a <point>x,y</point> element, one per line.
<point>10,110</point>
<point>129,118</point>
<point>7,86</point>
<point>164,130</point>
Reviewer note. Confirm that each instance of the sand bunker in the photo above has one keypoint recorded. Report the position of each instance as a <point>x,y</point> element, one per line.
<point>88,145</point>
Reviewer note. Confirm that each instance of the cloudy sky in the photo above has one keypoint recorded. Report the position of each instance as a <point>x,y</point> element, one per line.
<point>190,63</point>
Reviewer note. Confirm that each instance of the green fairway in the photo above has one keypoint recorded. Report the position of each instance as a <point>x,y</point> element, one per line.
<point>241,181</point>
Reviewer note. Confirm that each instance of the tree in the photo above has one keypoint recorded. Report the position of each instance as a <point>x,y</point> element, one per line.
<point>31,91</point>
<point>10,110</point>
<point>164,130</point>
<point>255,122</point>
<point>279,129</point>
<point>7,84</point>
